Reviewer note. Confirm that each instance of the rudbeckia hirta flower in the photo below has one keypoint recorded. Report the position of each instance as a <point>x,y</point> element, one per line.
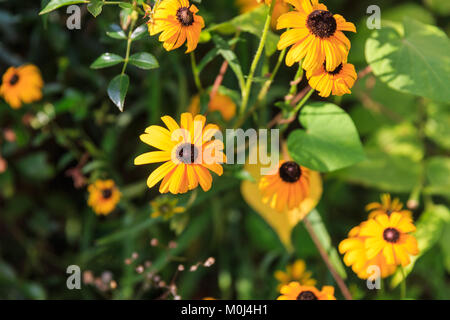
<point>283,222</point>
<point>315,35</point>
<point>354,250</point>
<point>296,291</point>
<point>337,82</point>
<point>179,23</point>
<point>387,206</point>
<point>165,207</point>
<point>287,187</point>
<point>390,235</point>
<point>103,196</point>
<point>295,272</point>
<point>221,103</point>
<point>188,153</point>
<point>21,85</point>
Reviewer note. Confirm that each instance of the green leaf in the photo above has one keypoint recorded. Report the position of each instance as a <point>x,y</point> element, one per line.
<point>106,60</point>
<point>445,245</point>
<point>139,32</point>
<point>55,4</point>
<point>117,90</point>
<point>322,234</point>
<point>416,62</point>
<point>385,172</point>
<point>116,32</point>
<point>144,61</point>
<point>429,231</point>
<point>95,7</point>
<point>438,176</point>
<point>36,167</point>
<point>230,56</point>
<point>437,127</point>
<point>251,22</point>
<point>330,141</point>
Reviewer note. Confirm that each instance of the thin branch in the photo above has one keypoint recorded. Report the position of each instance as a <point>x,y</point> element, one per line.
<point>340,282</point>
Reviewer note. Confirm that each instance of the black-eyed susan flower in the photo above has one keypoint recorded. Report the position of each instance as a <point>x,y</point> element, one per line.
<point>337,82</point>
<point>165,207</point>
<point>103,196</point>
<point>280,8</point>
<point>188,152</point>
<point>287,187</point>
<point>21,85</point>
<point>178,22</point>
<point>282,222</point>
<point>315,35</point>
<point>391,236</point>
<point>355,250</point>
<point>221,103</point>
<point>387,206</point>
<point>295,272</point>
<point>296,291</point>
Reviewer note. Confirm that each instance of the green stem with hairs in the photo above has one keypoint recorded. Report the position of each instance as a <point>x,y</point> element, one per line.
<point>254,65</point>
<point>195,72</point>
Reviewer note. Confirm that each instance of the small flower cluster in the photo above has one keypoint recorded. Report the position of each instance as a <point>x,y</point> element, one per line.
<point>384,240</point>
<point>317,40</point>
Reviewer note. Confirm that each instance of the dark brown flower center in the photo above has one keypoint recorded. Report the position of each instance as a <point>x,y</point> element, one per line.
<point>187,153</point>
<point>106,193</point>
<point>306,295</point>
<point>321,23</point>
<point>391,235</point>
<point>335,71</point>
<point>185,16</point>
<point>14,79</point>
<point>290,172</point>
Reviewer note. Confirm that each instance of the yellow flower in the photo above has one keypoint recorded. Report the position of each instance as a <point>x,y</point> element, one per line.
<point>221,103</point>
<point>280,8</point>
<point>287,187</point>
<point>390,236</point>
<point>295,272</point>
<point>188,152</point>
<point>354,251</point>
<point>282,222</point>
<point>337,82</point>
<point>21,85</point>
<point>387,206</point>
<point>165,207</point>
<point>315,35</point>
<point>103,196</point>
<point>178,21</point>
<point>296,291</point>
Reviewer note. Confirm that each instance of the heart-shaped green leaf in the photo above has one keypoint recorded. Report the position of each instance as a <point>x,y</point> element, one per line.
<point>144,61</point>
<point>117,90</point>
<point>416,62</point>
<point>106,60</point>
<point>330,141</point>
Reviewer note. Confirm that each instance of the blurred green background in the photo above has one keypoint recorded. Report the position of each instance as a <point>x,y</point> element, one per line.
<point>46,225</point>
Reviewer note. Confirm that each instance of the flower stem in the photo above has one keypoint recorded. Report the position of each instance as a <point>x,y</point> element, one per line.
<point>340,282</point>
<point>129,41</point>
<point>403,284</point>
<point>198,83</point>
<point>254,65</point>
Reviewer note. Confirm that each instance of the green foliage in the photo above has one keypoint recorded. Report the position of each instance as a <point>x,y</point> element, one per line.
<point>330,140</point>
<point>415,61</point>
<point>117,90</point>
<point>55,4</point>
